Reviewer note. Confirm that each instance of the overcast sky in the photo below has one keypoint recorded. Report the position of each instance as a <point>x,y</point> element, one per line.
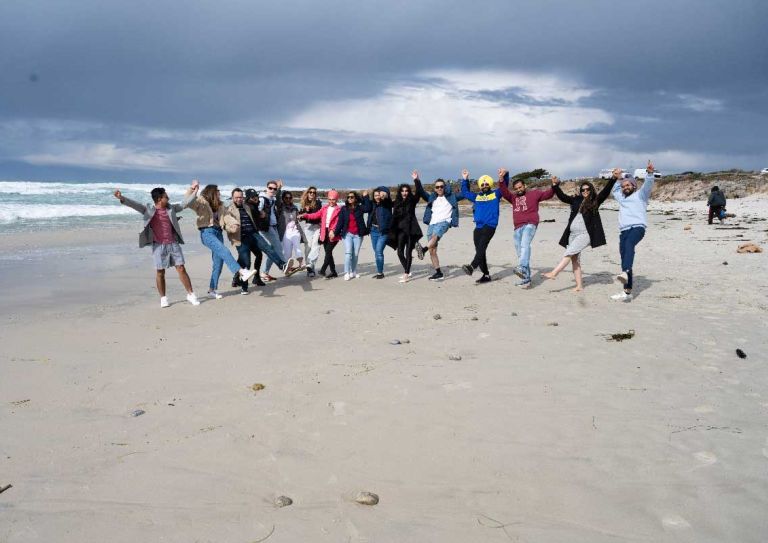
<point>360,92</point>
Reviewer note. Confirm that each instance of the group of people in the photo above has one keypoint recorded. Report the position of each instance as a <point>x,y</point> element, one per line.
<point>270,224</point>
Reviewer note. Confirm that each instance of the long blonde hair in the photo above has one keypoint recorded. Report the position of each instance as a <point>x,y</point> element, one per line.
<point>304,201</point>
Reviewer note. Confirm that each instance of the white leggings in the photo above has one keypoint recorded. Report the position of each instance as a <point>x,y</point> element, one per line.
<point>292,245</point>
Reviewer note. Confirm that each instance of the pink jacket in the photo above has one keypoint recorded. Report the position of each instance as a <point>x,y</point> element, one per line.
<point>321,214</point>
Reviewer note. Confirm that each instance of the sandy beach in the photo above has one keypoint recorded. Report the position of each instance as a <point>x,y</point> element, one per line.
<point>502,415</point>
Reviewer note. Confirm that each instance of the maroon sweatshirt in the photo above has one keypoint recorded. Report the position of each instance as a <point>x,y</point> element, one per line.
<point>525,208</point>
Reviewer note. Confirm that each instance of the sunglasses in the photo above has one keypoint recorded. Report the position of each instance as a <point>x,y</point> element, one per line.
<point>312,192</point>
<point>586,189</point>
<point>439,186</point>
<point>271,188</point>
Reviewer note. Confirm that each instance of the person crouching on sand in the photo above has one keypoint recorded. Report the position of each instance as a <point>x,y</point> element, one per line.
<point>210,212</point>
<point>584,229</point>
<point>162,231</point>
<point>329,234</point>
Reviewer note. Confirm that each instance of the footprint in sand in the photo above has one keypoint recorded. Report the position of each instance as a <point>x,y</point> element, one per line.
<point>675,522</point>
<point>705,457</point>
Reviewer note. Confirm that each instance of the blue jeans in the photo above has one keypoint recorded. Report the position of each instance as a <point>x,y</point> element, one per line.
<point>523,238</point>
<point>351,251</point>
<point>628,239</point>
<point>213,239</point>
<point>273,256</point>
<point>379,242</point>
<point>273,238</point>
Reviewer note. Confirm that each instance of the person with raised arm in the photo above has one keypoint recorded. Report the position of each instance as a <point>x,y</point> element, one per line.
<point>584,229</point>
<point>309,203</point>
<point>379,223</point>
<point>633,220</point>
<point>210,212</point>
<point>486,215</point>
<point>329,231</point>
<point>163,233</point>
<point>525,215</point>
<point>405,231</point>
<point>441,213</point>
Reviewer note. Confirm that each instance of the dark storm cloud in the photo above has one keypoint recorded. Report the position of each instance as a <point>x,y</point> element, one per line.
<point>245,66</point>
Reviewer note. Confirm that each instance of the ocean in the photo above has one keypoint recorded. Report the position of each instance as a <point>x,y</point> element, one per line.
<point>39,205</point>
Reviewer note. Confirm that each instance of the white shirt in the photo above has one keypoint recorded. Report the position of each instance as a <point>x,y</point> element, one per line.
<point>328,215</point>
<point>441,210</point>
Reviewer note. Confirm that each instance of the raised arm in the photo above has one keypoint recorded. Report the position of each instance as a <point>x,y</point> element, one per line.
<point>366,206</point>
<point>190,195</point>
<point>141,208</point>
<point>563,197</point>
<point>419,189</point>
<point>504,186</point>
<point>606,190</point>
<point>465,192</point>
<point>645,190</point>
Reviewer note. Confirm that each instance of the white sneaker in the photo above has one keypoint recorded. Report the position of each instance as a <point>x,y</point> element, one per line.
<point>191,298</point>
<point>215,295</point>
<point>347,277</point>
<point>405,278</point>
<point>622,297</point>
<point>243,293</point>
<point>164,301</point>
<point>355,275</point>
<point>245,275</point>
<point>622,278</point>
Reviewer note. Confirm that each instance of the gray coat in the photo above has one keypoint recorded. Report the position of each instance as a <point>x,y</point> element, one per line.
<point>146,237</point>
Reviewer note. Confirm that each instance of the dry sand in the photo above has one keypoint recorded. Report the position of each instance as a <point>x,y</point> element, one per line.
<point>543,431</point>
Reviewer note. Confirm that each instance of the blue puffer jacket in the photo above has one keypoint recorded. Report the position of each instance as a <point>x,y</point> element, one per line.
<point>383,211</point>
<point>430,198</point>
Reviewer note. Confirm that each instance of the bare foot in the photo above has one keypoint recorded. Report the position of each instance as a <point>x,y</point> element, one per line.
<point>549,275</point>
<point>578,289</point>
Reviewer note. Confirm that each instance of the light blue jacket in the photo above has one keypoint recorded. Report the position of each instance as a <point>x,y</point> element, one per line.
<point>632,208</point>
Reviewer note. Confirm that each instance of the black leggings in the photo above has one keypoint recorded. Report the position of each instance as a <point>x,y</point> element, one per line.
<point>482,237</point>
<point>405,251</point>
<point>328,245</point>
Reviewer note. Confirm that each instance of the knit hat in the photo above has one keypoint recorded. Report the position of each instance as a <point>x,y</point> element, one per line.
<point>485,179</point>
<point>333,195</point>
<point>382,189</point>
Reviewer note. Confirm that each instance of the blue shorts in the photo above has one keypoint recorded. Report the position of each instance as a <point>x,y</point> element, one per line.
<point>166,255</point>
<point>438,229</point>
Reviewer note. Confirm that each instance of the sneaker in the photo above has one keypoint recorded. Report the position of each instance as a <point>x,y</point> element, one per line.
<point>191,298</point>
<point>257,281</point>
<point>419,251</point>
<point>215,295</point>
<point>484,279</point>
<point>519,272</point>
<point>622,278</point>
<point>622,297</point>
<point>268,278</point>
<point>404,278</point>
<point>235,281</point>
<point>289,265</point>
<point>164,301</point>
<point>331,275</point>
<point>347,277</point>
<point>245,275</point>
<point>524,283</point>
<point>355,275</point>
<point>243,293</point>
<point>379,276</point>
<point>437,276</point>
<point>467,269</point>
<point>310,272</point>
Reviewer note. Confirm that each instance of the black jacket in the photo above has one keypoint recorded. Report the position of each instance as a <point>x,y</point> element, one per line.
<point>591,220</point>
<point>383,212</point>
<point>716,199</point>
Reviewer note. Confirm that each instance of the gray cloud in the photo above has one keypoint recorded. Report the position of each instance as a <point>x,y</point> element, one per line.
<point>233,75</point>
